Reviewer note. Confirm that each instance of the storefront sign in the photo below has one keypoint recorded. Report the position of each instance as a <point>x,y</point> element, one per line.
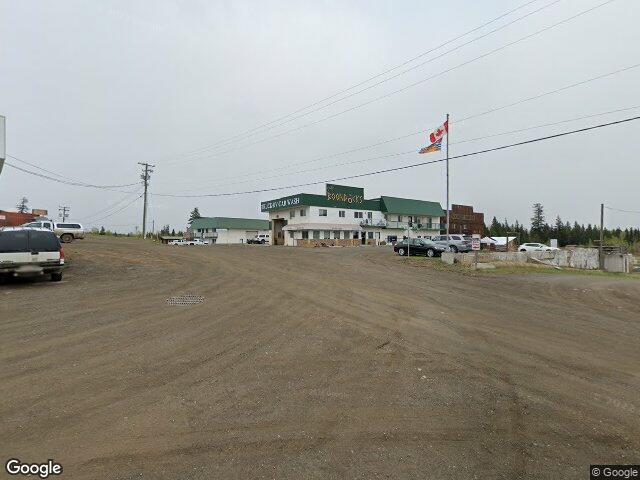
<point>475,242</point>
<point>348,195</point>
<point>280,203</point>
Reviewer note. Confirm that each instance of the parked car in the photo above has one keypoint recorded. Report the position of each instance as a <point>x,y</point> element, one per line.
<point>454,243</point>
<point>30,252</point>
<point>195,241</point>
<point>67,232</point>
<point>262,238</point>
<point>536,247</point>
<point>418,246</point>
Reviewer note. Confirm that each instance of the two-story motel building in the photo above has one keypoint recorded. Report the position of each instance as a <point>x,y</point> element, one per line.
<point>344,217</point>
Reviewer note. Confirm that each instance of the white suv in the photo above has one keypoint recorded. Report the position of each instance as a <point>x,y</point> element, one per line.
<point>30,252</point>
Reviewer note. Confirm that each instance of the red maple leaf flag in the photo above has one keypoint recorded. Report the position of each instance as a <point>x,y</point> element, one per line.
<point>439,132</point>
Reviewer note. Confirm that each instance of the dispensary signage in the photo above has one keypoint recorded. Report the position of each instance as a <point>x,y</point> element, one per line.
<point>337,196</point>
<point>348,195</point>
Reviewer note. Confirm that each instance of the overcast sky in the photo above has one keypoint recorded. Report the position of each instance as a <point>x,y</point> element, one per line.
<point>91,88</point>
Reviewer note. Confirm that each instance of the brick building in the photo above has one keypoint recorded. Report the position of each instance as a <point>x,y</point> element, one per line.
<point>464,220</point>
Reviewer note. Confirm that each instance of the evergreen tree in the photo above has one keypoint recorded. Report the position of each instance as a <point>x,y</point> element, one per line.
<point>22,206</point>
<point>102,231</point>
<point>495,230</point>
<point>538,225</point>
<point>195,213</point>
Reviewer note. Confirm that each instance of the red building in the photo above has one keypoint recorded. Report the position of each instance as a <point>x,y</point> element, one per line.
<point>13,219</point>
<point>464,220</point>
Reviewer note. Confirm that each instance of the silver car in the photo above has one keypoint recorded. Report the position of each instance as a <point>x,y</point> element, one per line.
<point>454,243</point>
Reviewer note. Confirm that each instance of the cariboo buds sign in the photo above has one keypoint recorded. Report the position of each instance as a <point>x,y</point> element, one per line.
<point>341,193</point>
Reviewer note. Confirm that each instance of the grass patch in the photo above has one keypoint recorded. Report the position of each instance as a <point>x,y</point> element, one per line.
<point>505,268</point>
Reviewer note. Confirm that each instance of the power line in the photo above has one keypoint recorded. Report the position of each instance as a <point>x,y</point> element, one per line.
<point>66,179</point>
<point>378,172</point>
<point>117,211</point>
<point>408,152</point>
<point>109,207</point>
<point>293,116</point>
<point>474,116</point>
<point>407,87</point>
<point>391,155</point>
<point>621,210</point>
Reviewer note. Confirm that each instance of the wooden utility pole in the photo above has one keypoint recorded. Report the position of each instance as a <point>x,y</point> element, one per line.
<point>63,212</point>
<point>146,174</point>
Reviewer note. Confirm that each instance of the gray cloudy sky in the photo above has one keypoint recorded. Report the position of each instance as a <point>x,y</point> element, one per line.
<point>91,88</point>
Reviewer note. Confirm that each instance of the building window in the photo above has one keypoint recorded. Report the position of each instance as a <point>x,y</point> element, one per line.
<point>341,213</point>
<point>292,214</point>
<point>336,235</point>
<point>327,234</point>
<point>322,212</point>
<point>302,212</point>
<point>357,214</point>
<point>399,218</point>
<point>355,235</point>
<point>369,215</point>
<point>370,234</point>
<point>305,234</point>
<point>417,219</point>
<point>290,233</point>
<point>316,234</point>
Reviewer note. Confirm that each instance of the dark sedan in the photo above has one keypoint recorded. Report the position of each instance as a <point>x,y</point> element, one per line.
<point>419,246</point>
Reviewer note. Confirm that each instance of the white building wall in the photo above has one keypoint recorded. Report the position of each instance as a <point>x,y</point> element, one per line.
<point>231,236</point>
<point>312,216</point>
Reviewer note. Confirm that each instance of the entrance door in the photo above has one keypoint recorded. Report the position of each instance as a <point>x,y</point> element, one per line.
<point>277,234</point>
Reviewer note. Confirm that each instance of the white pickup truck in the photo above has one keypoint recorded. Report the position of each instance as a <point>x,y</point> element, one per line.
<point>30,252</point>
<point>66,232</point>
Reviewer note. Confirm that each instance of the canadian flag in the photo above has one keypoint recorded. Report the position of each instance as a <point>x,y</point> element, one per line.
<point>439,132</point>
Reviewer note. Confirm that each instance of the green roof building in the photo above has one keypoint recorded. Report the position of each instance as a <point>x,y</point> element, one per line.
<point>343,216</point>
<point>226,230</point>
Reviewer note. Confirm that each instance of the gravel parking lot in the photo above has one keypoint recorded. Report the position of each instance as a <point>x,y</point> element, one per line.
<point>315,363</point>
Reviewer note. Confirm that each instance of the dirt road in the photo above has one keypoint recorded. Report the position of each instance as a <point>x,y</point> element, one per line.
<point>315,363</point>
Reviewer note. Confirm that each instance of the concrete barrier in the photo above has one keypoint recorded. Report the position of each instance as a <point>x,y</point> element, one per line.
<point>618,262</point>
<point>584,258</point>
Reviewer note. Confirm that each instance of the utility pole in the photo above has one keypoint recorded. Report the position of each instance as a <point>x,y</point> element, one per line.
<point>63,212</point>
<point>600,257</point>
<point>146,174</point>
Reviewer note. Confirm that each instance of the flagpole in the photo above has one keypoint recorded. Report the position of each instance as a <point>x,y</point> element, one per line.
<point>447,133</point>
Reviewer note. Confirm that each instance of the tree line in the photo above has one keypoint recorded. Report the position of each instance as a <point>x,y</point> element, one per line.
<point>565,232</point>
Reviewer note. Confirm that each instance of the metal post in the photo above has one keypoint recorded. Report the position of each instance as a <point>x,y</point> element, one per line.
<point>600,257</point>
<point>447,133</point>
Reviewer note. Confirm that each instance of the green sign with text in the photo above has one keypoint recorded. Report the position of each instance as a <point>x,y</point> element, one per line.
<point>344,194</point>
